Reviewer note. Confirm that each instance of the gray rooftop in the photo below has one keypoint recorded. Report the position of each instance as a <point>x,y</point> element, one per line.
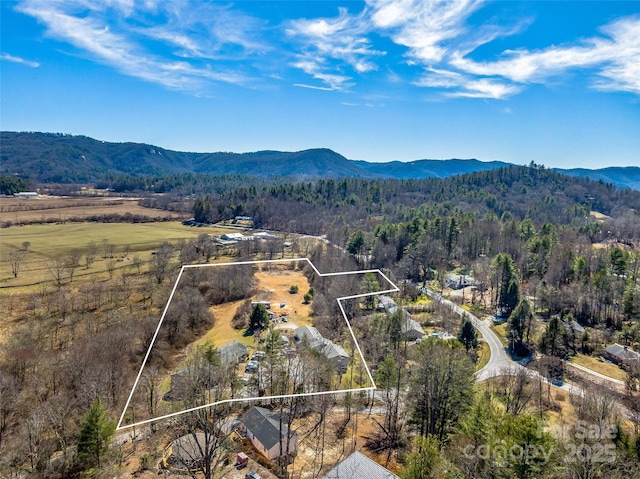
<point>622,352</point>
<point>265,426</point>
<point>359,466</point>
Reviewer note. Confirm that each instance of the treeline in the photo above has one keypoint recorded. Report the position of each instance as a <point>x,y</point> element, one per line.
<point>182,184</point>
<point>12,184</point>
<point>516,193</point>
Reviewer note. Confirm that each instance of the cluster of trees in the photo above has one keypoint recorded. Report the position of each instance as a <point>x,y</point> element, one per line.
<point>13,184</point>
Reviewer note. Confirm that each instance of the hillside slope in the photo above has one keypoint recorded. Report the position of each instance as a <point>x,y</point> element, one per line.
<point>58,158</point>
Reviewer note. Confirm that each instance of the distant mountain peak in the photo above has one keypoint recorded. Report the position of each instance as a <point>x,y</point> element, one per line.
<point>64,158</point>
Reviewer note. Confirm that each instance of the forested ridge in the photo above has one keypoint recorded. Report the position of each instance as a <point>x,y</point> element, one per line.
<point>67,159</point>
<point>325,205</point>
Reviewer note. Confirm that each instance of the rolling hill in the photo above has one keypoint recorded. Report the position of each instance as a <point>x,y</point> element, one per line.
<point>59,158</point>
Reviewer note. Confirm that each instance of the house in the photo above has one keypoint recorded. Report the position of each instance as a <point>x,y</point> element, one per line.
<point>359,466</point>
<point>234,352</point>
<point>576,326</point>
<point>269,433</point>
<point>459,281</point>
<point>410,328</point>
<point>26,194</point>
<point>387,304</point>
<point>186,451</point>
<point>618,354</point>
<point>232,237</point>
<point>243,218</point>
<point>333,352</point>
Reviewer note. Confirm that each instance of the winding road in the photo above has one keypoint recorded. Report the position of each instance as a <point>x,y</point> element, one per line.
<point>499,360</point>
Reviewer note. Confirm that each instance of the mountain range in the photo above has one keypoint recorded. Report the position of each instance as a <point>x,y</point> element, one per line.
<point>61,158</point>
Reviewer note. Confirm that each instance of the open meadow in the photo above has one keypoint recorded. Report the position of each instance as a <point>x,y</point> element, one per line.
<point>47,209</point>
<point>119,242</point>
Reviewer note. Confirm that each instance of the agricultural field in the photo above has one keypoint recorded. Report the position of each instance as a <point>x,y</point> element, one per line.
<point>61,209</point>
<point>124,241</point>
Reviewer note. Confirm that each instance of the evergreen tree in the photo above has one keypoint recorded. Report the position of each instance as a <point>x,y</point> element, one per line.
<point>259,318</point>
<point>425,461</point>
<point>355,245</point>
<point>370,284</point>
<point>95,431</point>
<point>468,336</point>
<point>508,285</point>
<point>552,340</point>
<point>520,323</point>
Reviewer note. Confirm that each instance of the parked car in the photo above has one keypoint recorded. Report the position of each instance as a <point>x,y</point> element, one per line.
<point>251,367</point>
<point>258,355</point>
<point>282,305</point>
<point>252,475</point>
<point>284,319</point>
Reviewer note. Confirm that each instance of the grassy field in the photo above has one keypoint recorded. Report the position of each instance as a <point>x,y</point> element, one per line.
<point>45,208</point>
<point>600,366</point>
<point>51,240</point>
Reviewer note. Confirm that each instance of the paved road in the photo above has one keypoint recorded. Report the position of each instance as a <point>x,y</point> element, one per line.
<point>499,362</point>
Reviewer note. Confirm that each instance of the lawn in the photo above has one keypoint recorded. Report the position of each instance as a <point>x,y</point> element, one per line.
<point>484,354</point>
<point>51,240</point>
<point>501,332</point>
<point>599,365</point>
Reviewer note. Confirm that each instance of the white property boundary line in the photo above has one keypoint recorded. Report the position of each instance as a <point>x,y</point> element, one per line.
<point>166,308</point>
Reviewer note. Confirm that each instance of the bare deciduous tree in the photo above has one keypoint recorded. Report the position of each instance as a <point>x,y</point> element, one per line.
<point>15,258</point>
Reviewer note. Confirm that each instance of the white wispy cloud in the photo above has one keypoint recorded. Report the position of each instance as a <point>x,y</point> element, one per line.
<point>615,56</point>
<point>313,87</point>
<point>331,43</point>
<point>423,27</point>
<point>318,71</point>
<point>190,44</point>
<point>101,30</point>
<point>11,58</point>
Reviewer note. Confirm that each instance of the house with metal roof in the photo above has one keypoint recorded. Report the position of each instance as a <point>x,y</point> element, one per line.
<point>269,433</point>
<point>333,352</point>
<point>410,328</point>
<point>359,466</point>
<point>616,353</point>
<point>234,352</point>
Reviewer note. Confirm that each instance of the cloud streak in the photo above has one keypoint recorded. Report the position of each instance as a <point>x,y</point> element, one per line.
<point>616,58</point>
<point>192,45</point>
<point>92,28</point>
<point>13,59</point>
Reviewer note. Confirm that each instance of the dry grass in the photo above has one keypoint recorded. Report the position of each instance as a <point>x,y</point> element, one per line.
<point>600,366</point>
<point>60,209</point>
<point>599,216</point>
<point>51,240</point>
<point>274,282</point>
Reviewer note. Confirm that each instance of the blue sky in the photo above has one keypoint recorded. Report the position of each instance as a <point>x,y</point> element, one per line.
<point>557,83</point>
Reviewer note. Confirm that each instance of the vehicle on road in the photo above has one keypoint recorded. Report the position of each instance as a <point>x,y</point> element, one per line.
<point>252,475</point>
